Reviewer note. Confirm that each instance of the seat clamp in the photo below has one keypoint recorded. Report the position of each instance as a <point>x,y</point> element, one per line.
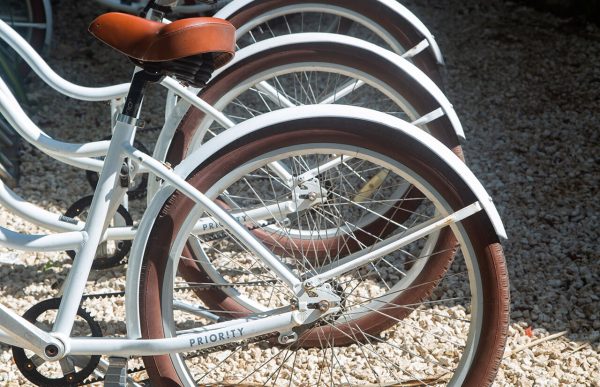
<point>130,120</point>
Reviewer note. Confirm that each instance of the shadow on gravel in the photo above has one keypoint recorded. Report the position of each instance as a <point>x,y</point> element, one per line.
<point>526,86</point>
<point>25,277</point>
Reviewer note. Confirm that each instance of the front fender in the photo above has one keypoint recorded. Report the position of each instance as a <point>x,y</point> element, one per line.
<point>207,150</point>
<point>396,62</point>
<point>393,6</point>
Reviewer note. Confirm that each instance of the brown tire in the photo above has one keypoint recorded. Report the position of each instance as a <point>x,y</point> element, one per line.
<point>417,100</point>
<point>36,37</point>
<point>480,240</point>
<point>398,28</point>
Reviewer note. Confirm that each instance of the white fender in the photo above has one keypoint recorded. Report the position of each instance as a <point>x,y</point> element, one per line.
<point>188,165</point>
<point>396,62</point>
<point>394,8</point>
<point>403,65</point>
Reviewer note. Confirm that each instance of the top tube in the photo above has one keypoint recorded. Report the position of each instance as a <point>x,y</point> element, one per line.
<point>54,80</point>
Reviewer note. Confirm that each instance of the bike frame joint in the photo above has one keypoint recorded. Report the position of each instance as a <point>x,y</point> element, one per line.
<point>133,121</point>
<point>287,338</point>
<point>316,303</point>
<point>57,349</point>
<point>308,194</point>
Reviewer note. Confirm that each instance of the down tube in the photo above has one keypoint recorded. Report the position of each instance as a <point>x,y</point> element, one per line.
<point>223,217</point>
<point>198,339</point>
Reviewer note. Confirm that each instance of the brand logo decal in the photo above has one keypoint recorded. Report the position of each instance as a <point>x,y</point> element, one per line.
<point>214,337</point>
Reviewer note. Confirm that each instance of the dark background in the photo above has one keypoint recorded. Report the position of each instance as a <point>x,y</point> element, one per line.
<point>587,9</point>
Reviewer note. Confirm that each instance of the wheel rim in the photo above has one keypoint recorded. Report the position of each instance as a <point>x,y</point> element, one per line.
<point>222,101</point>
<point>246,98</point>
<point>385,98</point>
<point>29,19</point>
<point>314,18</point>
<point>473,275</point>
<point>17,13</point>
<point>393,25</point>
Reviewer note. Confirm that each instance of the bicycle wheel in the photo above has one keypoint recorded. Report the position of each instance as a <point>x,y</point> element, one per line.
<point>31,19</point>
<point>385,332</point>
<point>316,70</point>
<point>383,22</point>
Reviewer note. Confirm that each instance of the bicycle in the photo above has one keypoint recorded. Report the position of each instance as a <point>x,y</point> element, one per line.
<point>321,242</point>
<point>400,30</point>
<point>319,141</point>
<point>423,113</point>
<point>320,246</point>
<point>385,22</point>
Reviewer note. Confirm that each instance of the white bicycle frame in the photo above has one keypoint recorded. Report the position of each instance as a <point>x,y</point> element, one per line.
<point>84,238</point>
<point>30,131</point>
<point>15,330</point>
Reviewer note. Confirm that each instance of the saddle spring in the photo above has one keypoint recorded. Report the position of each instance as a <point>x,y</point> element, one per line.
<point>193,70</point>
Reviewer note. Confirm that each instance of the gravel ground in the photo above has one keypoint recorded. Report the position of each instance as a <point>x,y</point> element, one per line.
<point>525,84</point>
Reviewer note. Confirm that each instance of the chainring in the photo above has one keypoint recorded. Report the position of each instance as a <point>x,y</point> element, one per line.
<point>30,366</point>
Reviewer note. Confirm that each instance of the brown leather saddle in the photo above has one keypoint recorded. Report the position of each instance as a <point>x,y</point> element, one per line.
<point>187,49</point>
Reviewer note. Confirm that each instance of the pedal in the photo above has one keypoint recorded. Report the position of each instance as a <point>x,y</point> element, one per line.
<point>116,374</point>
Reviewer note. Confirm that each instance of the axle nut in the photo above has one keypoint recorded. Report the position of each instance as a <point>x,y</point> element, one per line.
<point>324,305</point>
<point>51,350</point>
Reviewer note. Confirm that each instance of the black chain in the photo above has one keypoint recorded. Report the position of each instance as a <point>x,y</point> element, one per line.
<point>197,353</point>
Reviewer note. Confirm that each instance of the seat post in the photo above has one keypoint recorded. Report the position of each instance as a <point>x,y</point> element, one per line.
<point>157,9</point>
<point>136,91</point>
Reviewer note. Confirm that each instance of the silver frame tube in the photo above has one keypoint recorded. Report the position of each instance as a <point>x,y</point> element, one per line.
<point>56,242</point>
<point>24,333</point>
<point>218,213</point>
<point>33,213</point>
<point>41,68</point>
<point>106,199</point>
<point>380,249</point>
<point>200,338</point>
